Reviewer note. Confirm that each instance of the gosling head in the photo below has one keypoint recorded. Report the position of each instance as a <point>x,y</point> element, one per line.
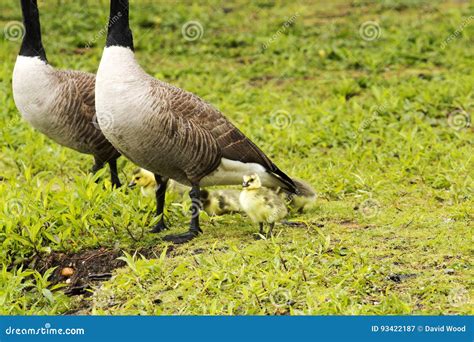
<point>251,182</point>
<point>141,178</point>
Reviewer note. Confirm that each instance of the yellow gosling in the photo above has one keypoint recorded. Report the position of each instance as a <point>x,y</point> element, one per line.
<point>261,204</point>
<point>220,202</point>
<point>145,180</point>
<point>306,196</point>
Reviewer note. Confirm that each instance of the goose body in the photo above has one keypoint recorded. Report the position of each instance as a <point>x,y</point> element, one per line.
<point>187,139</point>
<point>58,103</point>
<point>262,205</point>
<point>169,131</point>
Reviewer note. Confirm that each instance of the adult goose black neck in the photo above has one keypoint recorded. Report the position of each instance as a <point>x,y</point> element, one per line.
<point>119,33</point>
<point>31,45</point>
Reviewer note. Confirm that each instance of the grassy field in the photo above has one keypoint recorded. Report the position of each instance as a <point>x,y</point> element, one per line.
<point>371,102</point>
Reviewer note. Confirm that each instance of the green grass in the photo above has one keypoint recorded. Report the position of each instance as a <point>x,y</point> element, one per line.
<point>373,125</point>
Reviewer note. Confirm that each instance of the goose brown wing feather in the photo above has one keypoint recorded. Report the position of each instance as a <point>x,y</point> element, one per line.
<point>78,105</point>
<point>232,143</point>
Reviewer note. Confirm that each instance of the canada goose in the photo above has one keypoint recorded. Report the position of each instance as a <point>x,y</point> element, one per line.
<point>169,131</point>
<point>58,103</point>
<point>261,204</point>
<point>214,202</point>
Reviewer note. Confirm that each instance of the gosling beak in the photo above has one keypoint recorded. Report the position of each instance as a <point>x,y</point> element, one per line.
<point>132,184</point>
<point>245,184</point>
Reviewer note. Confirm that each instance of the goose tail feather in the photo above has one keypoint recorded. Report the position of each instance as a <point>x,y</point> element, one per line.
<point>289,185</point>
<point>304,188</point>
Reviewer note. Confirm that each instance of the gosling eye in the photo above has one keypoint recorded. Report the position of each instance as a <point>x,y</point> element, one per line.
<point>137,178</point>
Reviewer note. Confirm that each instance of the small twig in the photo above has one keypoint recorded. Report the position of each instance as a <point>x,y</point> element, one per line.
<point>406,225</point>
<point>133,237</point>
<point>283,262</point>
<point>100,276</point>
<point>258,300</point>
<point>93,256</point>
<point>304,274</point>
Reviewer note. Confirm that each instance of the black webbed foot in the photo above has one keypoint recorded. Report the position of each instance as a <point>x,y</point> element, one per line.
<point>159,227</point>
<point>182,238</point>
<point>116,184</point>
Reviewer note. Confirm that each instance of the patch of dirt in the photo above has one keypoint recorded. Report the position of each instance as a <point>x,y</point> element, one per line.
<point>398,278</point>
<point>79,270</point>
<point>353,225</point>
<point>83,269</point>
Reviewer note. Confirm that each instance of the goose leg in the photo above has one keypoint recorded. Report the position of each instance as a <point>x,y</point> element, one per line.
<point>160,203</point>
<point>270,231</point>
<point>260,232</point>
<point>98,164</point>
<point>114,174</point>
<point>194,228</point>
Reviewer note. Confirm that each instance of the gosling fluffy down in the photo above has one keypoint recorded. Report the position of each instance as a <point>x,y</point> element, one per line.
<point>220,202</point>
<point>147,183</point>
<point>306,196</point>
<point>214,203</point>
<point>261,204</point>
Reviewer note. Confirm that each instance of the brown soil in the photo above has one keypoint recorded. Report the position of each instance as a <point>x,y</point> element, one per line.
<point>86,267</point>
<point>83,269</point>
